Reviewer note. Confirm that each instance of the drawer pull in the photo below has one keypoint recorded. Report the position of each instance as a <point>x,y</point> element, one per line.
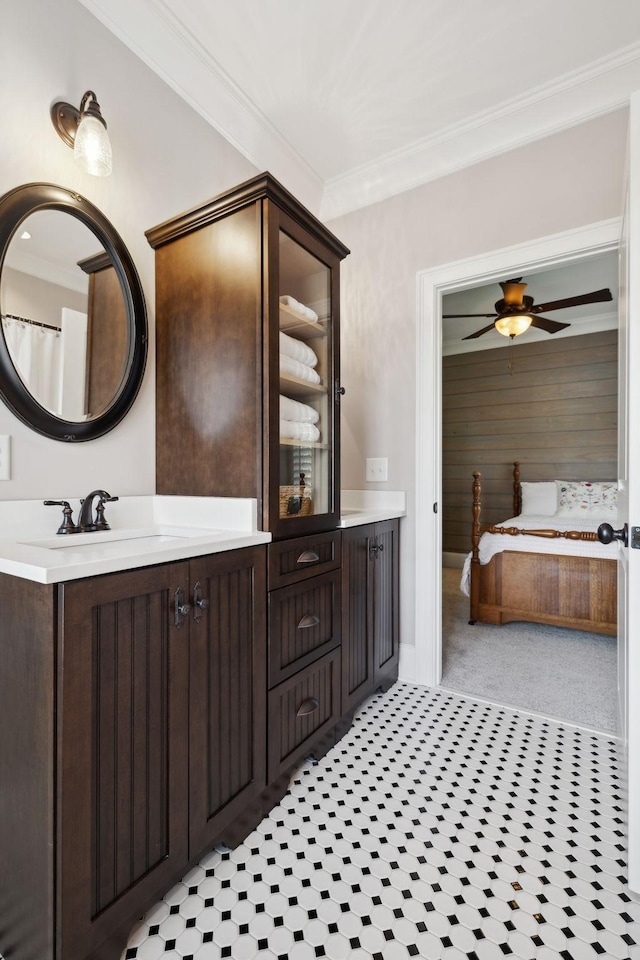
<point>310,705</point>
<point>308,556</point>
<point>309,620</point>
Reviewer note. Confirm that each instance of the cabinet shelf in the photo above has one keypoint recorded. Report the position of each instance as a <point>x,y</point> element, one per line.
<point>298,326</point>
<point>297,387</point>
<point>316,444</point>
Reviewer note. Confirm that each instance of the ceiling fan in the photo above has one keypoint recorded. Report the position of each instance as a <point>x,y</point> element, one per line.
<point>516,312</point>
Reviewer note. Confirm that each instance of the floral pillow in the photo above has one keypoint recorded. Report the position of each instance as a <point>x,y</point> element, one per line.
<point>583,498</point>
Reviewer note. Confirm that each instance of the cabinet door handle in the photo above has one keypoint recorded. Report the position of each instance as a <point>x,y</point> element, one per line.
<point>375,549</point>
<point>181,609</point>
<point>200,603</point>
<point>310,705</point>
<point>308,556</point>
<point>309,620</point>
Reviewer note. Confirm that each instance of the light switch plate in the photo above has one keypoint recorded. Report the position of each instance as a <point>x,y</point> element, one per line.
<point>5,457</point>
<point>377,469</point>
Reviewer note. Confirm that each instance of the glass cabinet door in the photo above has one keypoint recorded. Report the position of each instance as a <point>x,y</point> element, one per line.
<point>306,383</point>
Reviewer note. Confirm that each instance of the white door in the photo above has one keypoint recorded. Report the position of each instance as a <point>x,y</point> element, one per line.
<point>629,482</point>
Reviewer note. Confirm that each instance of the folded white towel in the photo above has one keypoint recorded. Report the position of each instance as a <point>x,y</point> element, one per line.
<point>297,369</point>
<point>300,308</point>
<point>297,350</point>
<point>294,410</point>
<point>294,430</point>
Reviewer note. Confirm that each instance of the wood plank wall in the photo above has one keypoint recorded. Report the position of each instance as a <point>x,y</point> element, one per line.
<point>555,411</point>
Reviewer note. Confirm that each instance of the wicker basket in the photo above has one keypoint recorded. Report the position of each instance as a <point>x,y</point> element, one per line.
<point>295,501</point>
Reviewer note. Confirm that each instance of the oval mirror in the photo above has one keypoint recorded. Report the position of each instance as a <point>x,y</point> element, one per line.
<point>74,328</point>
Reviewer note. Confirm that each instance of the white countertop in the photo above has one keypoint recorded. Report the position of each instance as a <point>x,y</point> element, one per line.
<point>144,531</point>
<point>370,506</point>
<point>149,530</point>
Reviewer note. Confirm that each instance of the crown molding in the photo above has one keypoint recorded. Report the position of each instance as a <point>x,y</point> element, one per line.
<point>161,41</point>
<point>582,95</point>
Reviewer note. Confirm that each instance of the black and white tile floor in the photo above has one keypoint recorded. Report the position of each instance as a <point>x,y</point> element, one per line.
<point>439,827</point>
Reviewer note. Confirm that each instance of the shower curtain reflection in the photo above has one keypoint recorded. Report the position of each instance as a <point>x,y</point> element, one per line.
<point>36,352</point>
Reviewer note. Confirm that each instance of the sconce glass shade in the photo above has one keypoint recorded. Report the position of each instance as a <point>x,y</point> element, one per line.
<point>85,131</point>
<point>513,325</point>
<point>92,147</point>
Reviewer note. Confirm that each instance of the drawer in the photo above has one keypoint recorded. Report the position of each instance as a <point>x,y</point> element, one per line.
<point>294,560</point>
<point>301,710</point>
<point>304,624</point>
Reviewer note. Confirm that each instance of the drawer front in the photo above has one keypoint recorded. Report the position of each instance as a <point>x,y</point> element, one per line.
<point>304,624</point>
<point>301,710</point>
<point>293,560</point>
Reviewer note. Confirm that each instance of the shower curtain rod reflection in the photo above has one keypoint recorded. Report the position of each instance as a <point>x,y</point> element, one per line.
<point>34,323</point>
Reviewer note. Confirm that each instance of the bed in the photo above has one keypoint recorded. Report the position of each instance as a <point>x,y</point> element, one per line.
<point>545,564</point>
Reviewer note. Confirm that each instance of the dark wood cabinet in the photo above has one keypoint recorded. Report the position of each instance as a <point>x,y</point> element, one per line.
<point>122,783</point>
<point>301,710</point>
<point>247,340</point>
<point>305,601</point>
<point>135,738</point>
<point>227,694</point>
<point>370,623</point>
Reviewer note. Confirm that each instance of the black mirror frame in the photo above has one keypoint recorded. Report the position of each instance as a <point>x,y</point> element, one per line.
<point>15,206</point>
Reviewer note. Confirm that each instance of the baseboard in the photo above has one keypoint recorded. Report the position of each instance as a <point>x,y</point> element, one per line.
<point>450,559</point>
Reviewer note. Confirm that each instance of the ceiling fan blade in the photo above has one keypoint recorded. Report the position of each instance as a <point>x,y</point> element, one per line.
<point>460,316</point>
<point>550,326</point>
<point>598,296</point>
<point>479,333</point>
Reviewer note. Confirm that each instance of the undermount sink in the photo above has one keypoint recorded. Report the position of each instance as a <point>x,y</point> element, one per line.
<point>76,541</point>
<point>145,531</point>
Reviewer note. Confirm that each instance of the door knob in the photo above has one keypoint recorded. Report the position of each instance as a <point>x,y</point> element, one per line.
<point>606,534</point>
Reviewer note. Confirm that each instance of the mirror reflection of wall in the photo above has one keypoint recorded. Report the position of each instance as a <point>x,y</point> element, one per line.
<point>48,300</point>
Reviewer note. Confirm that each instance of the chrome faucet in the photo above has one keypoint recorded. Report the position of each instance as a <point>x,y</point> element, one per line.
<point>86,522</point>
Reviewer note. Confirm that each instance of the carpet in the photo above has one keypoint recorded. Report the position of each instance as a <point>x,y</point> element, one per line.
<point>568,675</point>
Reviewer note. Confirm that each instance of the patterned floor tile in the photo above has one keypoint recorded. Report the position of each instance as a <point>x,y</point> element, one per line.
<point>439,827</point>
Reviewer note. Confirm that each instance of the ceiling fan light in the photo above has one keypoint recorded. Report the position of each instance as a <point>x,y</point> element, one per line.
<point>514,325</point>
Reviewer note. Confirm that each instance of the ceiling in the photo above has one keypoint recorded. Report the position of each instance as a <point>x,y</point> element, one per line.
<point>351,101</point>
<point>568,280</point>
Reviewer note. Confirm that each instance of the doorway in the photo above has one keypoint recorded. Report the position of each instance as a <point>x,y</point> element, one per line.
<point>558,250</point>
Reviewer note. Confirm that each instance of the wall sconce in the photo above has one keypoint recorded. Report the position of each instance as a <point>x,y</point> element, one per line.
<point>85,131</point>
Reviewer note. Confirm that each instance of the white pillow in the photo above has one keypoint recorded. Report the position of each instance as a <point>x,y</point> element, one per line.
<point>539,499</point>
<point>583,498</point>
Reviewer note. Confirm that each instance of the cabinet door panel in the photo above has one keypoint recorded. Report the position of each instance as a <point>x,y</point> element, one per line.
<point>386,638</point>
<point>122,724</point>
<point>303,474</point>
<point>357,615</point>
<point>227,692</point>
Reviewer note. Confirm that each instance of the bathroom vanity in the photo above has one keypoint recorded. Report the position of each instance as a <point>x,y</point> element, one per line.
<point>162,679</point>
<point>160,683</point>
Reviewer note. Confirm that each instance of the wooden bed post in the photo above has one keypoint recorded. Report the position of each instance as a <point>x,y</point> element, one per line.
<point>474,587</point>
<point>517,496</point>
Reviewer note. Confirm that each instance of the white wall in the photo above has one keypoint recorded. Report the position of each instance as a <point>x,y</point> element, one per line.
<point>166,159</point>
<point>568,180</point>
